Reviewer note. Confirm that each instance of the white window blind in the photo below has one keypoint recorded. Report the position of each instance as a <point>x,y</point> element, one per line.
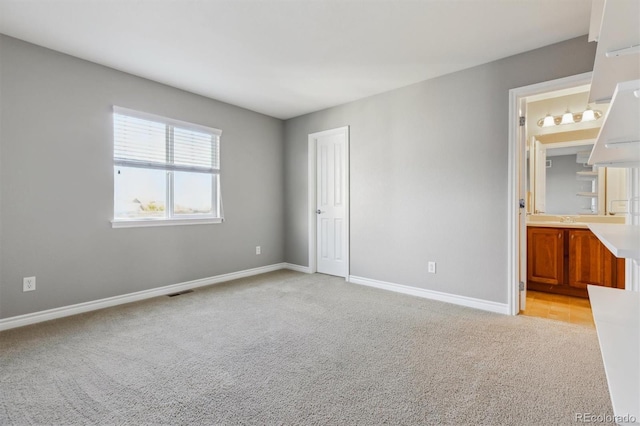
<point>145,146</point>
<point>144,140</point>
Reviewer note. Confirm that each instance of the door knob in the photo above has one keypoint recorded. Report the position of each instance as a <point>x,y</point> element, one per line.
<point>319,211</point>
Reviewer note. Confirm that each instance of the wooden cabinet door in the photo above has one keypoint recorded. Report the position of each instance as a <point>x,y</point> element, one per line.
<point>589,260</point>
<point>545,261</point>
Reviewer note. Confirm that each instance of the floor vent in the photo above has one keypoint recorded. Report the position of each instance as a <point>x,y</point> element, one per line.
<point>179,293</point>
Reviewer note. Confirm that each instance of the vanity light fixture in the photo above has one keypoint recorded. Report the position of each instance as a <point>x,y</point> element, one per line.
<point>570,118</point>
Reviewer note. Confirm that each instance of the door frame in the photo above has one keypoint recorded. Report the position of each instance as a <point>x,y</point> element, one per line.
<point>516,164</point>
<point>311,203</point>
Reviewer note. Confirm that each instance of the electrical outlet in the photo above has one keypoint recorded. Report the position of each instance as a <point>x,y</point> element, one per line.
<point>431,267</point>
<point>258,250</point>
<point>29,284</point>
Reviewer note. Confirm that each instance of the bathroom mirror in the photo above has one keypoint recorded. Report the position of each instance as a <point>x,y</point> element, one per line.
<point>562,183</point>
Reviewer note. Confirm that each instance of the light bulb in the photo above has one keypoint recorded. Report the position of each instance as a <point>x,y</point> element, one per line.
<point>588,115</point>
<point>548,121</point>
<point>567,118</point>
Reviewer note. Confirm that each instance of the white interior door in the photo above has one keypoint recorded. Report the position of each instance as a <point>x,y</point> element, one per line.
<point>332,202</point>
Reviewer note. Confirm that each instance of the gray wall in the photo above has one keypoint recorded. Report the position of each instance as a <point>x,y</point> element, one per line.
<point>428,180</point>
<point>428,174</point>
<point>562,186</point>
<point>56,185</point>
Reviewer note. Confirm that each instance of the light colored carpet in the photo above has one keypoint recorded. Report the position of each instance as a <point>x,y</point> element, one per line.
<point>289,348</point>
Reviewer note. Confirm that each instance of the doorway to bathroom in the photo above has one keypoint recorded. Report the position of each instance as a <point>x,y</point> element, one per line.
<point>553,194</point>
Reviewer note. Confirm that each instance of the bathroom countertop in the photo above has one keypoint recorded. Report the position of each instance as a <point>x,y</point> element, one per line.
<point>549,224</point>
<point>570,221</point>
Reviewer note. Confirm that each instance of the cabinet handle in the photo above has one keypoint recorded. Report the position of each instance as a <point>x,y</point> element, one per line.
<point>572,236</point>
<point>560,235</point>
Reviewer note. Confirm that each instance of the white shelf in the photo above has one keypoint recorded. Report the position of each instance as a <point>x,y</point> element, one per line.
<point>621,240</point>
<point>619,29</point>
<point>618,141</point>
<point>587,194</point>
<point>617,316</point>
<point>587,175</point>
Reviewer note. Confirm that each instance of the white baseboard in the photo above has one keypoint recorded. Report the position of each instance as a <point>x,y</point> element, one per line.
<point>485,305</point>
<point>65,311</point>
<point>298,268</point>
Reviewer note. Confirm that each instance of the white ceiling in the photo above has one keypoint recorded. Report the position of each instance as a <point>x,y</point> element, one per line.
<point>285,58</point>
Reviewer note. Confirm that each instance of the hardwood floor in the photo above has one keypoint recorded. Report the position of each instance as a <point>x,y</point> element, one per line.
<point>559,307</point>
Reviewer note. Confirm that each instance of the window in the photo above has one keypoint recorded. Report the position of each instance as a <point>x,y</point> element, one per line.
<point>165,171</point>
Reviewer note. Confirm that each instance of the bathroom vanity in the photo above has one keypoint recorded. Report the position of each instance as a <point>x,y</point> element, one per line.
<point>564,256</point>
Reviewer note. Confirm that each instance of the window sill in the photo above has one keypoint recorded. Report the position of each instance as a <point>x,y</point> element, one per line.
<point>143,223</point>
